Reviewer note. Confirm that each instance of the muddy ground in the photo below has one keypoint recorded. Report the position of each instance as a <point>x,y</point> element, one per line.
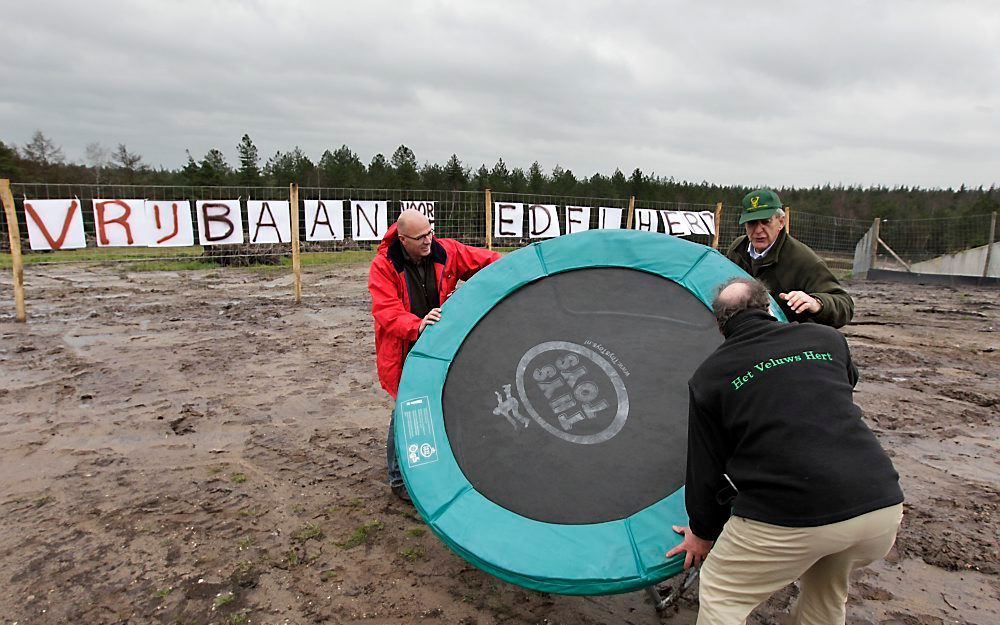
<point>192,448</point>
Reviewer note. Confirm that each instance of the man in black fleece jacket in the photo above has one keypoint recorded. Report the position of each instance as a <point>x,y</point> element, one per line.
<point>783,476</point>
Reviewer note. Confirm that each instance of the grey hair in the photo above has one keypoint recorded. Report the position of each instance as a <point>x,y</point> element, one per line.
<point>754,297</point>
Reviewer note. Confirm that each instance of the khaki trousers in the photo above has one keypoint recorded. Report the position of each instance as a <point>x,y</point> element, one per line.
<point>751,560</point>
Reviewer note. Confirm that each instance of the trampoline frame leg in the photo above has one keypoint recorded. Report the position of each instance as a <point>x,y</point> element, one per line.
<point>661,602</point>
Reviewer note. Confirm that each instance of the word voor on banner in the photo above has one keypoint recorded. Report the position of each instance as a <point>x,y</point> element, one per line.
<point>58,224</point>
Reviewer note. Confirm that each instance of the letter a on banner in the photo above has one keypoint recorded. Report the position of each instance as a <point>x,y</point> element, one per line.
<point>269,221</point>
<point>169,223</point>
<point>508,220</point>
<point>120,223</point>
<point>577,219</point>
<point>220,222</point>
<point>543,221</point>
<point>324,220</point>
<point>369,220</point>
<point>55,224</point>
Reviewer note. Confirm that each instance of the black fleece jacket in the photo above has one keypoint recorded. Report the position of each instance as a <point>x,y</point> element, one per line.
<point>772,409</point>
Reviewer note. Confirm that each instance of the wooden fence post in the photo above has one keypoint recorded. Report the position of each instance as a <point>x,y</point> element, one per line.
<point>788,220</point>
<point>17,263</point>
<point>489,220</point>
<point>875,238</point>
<point>631,211</point>
<point>989,246</point>
<point>718,221</point>
<point>293,207</point>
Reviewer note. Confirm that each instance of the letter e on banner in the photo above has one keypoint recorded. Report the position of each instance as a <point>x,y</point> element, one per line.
<point>169,223</point>
<point>369,220</point>
<point>324,220</point>
<point>674,223</point>
<point>220,222</point>
<point>508,220</point>
<point>543,221</point>
<point>269,221</point>
<point>55,224</point>
<point>577,219</point>
<point>120,223</point>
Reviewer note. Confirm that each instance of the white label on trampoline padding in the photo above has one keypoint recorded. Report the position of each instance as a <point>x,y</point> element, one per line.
<point>576,388</point>
<point>418,432</point>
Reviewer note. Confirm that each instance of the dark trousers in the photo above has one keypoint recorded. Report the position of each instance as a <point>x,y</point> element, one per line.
<point>391,461</point>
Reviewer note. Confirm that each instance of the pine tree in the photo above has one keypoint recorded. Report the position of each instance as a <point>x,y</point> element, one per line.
<point>246,153</point>
<point>342,168</point>
<point>404,167</point>
<point>454,174</point>
<point>536,178</point>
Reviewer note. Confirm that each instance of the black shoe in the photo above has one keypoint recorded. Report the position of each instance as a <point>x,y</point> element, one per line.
<point>400,491</point>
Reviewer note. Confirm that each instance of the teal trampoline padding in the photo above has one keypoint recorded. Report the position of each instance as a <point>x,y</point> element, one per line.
<point>585,559</point>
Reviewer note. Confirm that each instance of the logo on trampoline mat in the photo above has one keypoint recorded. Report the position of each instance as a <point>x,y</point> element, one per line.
<point>571,391</point>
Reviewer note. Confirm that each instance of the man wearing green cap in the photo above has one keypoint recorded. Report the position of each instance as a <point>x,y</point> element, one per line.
<point>797,278</point>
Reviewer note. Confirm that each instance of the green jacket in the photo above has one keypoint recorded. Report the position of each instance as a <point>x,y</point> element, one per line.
<point>791,266</point>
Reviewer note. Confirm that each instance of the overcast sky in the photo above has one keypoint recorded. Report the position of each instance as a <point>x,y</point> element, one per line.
<point>780,93</point>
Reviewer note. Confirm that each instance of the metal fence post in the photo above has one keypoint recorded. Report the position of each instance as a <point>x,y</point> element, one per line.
<point>875,237</point>
<point>989,246</point>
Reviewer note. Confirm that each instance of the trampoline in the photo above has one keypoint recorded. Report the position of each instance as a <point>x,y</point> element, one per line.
<point>541,425</point>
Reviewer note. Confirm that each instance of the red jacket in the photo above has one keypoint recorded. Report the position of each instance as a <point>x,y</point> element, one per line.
<point>396,328</point>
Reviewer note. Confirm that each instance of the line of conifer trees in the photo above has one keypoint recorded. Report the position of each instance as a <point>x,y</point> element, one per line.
<point>42,160</point>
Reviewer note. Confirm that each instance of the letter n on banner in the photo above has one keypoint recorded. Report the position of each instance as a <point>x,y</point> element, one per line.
<point>645,219</point>
<point>324,220</point>
<point>577,219</point>
<point>369,220</point>
<point>220,222</point>
<point>508,220</point>
<point>120,223</point>
<point>543,221</point>
<point>55,224</point>
<point>426,209</point>
<point>609,218</point>
<point>269,221</point>
<point>169,223</point>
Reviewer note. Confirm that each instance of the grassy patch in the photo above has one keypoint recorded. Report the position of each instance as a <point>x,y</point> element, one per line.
<point>416,532</point>
<point>412,554</point>
<point>42,501</point>
<point>245,543</point>
<point>331,575</point>
<point>362,534</point>
<point>311,531</point>
<point>238,478</point>
<point>236,619</point>
<point>163,593</point>
<point>223,599</point>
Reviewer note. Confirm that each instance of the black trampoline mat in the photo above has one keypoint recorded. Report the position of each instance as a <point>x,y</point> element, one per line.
<point>567,403</point>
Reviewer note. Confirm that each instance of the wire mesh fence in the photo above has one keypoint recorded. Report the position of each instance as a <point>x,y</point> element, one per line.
<point>336,219</point>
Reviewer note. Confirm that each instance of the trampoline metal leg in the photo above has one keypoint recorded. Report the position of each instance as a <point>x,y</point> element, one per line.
<point>661,603</point>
